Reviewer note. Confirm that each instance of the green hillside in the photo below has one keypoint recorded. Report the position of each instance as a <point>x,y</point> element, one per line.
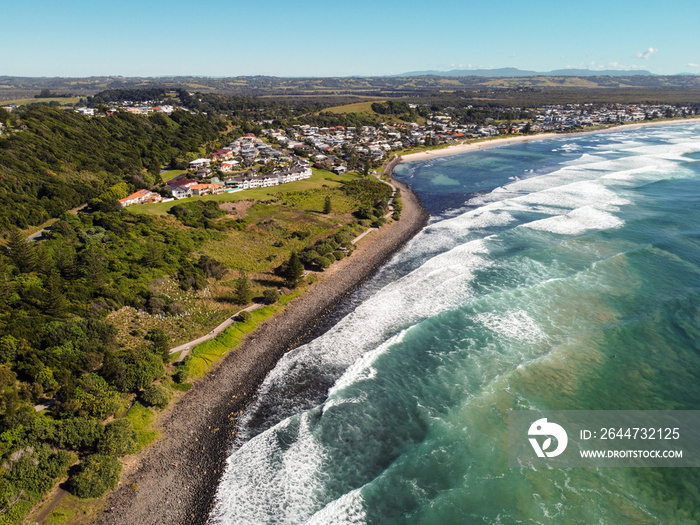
<point>52,160</point>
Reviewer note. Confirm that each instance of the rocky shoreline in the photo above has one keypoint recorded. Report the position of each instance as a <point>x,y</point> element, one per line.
<point>175,480</point>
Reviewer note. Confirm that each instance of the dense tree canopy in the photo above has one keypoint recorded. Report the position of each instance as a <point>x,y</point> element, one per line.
<point>57,160</point>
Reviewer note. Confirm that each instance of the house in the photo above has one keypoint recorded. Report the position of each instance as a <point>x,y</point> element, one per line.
<point>140,197</point>
<point>247,182</point>
<point>199,163</point>
<point>204,172</point>
<point>182,183</point>
<point>207,189</point>
<point>179,192</point>
<point>90,112</point>
<point>222,154</point>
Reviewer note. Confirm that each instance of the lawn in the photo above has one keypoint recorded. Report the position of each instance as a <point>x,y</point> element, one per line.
<point>142,419</point>
<point>171,174</point>
<point>357,107</point>
<point>68,101</point>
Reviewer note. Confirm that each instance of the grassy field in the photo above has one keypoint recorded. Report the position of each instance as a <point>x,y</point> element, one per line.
<point>364,108</point>
<point>72,510</point>
<point>319,179</point>
<point>171,174</point>
<point>142,418</point>
<point>24,101</point>
<point>271,223</point>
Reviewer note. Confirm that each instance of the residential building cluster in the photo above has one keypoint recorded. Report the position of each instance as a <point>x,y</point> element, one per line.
<point>288,154</point>
<point>279,168</point>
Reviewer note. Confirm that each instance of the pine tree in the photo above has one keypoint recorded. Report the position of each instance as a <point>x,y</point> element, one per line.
<point>93,266</point>
<point>243,292</point>
<point>294,272</point>
<point>54,302</point>
<point>20,251</point>
<point>327,206</point>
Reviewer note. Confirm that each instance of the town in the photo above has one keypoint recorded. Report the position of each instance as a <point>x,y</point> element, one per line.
<point>279,156</point>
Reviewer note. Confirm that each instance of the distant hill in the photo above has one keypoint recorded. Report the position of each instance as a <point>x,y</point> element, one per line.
<point>509,72</point>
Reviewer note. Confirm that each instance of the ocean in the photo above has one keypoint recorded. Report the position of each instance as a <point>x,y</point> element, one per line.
<point>555,274</point>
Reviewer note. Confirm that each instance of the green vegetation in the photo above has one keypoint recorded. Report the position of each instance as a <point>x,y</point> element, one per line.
<point>156,396</point>
<point>355,107</point>
<point>98,473</point>
<point>89,313</point>
<point>206,354</point>
<point>243,290</point>
<point>58,101</point>
<point>141,419</point>
<point>319,180</point>
<point>55,160</point>
<point>293,271</point>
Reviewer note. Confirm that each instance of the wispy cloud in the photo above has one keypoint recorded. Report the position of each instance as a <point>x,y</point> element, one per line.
<point>646,54</point>
<point>690,64</point>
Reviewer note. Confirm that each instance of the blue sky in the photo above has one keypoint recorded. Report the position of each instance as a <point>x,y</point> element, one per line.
<point>344,38</point>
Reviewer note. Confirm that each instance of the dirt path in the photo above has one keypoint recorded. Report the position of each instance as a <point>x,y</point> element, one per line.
<point>57,498</point>
<point>186,347</point>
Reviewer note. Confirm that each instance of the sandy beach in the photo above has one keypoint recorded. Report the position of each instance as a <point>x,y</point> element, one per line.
<point>458,149</point>
<point>175,480</point>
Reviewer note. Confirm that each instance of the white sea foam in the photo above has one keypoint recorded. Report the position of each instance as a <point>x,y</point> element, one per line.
<point>349,509</point>
<point>268,484</point>
<point>362,369</point>
<point>577,222</point>
<point>278,476</point>
<point>512,324</point>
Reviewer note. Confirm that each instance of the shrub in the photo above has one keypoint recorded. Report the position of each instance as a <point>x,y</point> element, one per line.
<point>181,375</point>
<point>156,396</point>
<point>323,248</point>
<point>119,438</point>
<point>211,267</point>
<point>271,295</point>
<point>322,262</point>
<point>339,256</point>
<point>96,475</point>
<point>132,369</point>
<point>244,315</point>
<point>77,434</point>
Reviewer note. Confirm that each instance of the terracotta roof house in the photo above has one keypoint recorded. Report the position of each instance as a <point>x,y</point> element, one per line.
<point>140,197</point>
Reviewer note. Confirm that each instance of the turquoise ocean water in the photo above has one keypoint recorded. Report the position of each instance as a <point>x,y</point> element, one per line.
<point>556,274</point>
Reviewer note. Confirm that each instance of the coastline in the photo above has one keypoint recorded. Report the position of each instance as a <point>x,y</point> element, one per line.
<point>458,149</point>
<point>175,480</point>
<point>177,477</point>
